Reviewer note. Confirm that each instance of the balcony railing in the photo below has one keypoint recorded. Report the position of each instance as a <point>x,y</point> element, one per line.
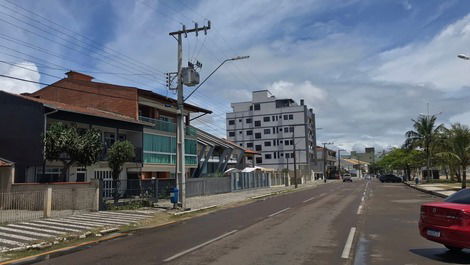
<point>167,126</point>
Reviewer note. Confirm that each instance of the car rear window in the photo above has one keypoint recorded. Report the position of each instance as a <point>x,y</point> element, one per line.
<point>462,197</point>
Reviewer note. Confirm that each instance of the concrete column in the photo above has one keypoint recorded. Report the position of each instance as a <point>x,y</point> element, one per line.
<point>97,199</point>
<point>48,202</point>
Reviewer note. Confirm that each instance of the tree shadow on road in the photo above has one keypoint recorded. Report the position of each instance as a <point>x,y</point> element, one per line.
<point>443,255</point>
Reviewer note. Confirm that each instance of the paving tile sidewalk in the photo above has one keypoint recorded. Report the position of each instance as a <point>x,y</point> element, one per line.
<point>222,199</point>
<point>437,189</point>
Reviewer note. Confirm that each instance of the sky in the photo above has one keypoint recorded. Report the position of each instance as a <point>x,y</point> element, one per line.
<point>366,67</point>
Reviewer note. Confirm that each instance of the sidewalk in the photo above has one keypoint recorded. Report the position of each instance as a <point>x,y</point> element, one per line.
<point>201,202</point>
<point>439,189</point>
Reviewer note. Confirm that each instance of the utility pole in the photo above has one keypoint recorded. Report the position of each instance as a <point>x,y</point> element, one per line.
<point>180,126</point>
<point>295,161</point>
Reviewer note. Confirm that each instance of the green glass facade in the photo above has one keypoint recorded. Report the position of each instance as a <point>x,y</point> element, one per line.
<point>160,149</point>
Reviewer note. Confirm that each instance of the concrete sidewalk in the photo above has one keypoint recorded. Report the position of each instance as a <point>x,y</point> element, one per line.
<point>438,189</point>
<point>201,202</point>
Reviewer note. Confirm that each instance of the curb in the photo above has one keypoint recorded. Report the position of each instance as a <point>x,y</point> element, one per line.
<point>426,191</point>
<point>192,211</point>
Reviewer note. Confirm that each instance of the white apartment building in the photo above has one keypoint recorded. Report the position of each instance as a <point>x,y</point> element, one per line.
<point>272,126</point>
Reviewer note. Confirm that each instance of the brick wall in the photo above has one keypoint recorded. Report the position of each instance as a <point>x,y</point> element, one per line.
<point>79,90</point>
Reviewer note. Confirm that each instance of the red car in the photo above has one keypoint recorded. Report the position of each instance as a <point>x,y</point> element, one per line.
<point>448,222</point>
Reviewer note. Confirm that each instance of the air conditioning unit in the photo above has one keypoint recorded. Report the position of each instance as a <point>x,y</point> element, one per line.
<point>190,76</point>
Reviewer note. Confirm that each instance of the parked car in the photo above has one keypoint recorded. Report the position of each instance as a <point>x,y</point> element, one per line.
<point>347,178</point>
<point>447,222</point>
<point>390,178</point>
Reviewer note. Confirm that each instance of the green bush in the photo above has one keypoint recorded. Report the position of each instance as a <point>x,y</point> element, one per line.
<point>128,205</point>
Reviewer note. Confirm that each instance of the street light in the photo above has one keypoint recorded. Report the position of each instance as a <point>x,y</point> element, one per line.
<point>226,60</point>
<point>463,56</point>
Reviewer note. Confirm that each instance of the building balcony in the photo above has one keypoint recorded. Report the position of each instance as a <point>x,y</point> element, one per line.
<point>167,126</point>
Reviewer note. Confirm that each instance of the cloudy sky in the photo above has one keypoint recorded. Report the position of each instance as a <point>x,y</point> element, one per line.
<point>366,67</point>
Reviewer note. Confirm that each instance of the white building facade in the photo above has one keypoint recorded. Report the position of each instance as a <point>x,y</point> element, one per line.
<point>271,127</point>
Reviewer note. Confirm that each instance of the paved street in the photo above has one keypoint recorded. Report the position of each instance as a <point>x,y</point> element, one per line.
<point>336,223</point>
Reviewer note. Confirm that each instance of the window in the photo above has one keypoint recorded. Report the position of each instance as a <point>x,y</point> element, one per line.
<point>249,120</point>
<point>268,143</point>
<point>287,155</point>
<point>291,129</point>
<point>274,142</point>
<point>231,134</point>
<point>231,122</point>
<point>286,129</point>
<point>286,142</point>
<point>274,118</point>
<point>241,144</point>
<point>250,132</point>
<point>258,147</point>
<point>280,129</point>
<point>257,123</point>
<point>266,119</point>
<point>239,120</point>
<point>259,160</point>
<point>257,135</point>
<point>291,116</point>
<point>286,117</point>
<point>257,106</point>
<point>267,156</point>
<point>267,131</point>
<point>275,155</point>
<point>249,145</point>
<point>240,132</point>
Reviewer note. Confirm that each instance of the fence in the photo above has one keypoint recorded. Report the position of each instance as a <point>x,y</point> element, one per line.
<point>138,189</point>
<point>250,180</point>
<point>208,186</point>
<point>33,201</point>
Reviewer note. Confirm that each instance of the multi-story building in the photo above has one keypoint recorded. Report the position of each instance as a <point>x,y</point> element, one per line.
<point>326,161</point>
<point>272,127</point>
<point>368,156</point>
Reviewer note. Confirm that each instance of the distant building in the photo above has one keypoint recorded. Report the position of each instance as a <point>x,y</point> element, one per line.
<point>368,156</point>
<point>271,127</point>
<point>326,160</point>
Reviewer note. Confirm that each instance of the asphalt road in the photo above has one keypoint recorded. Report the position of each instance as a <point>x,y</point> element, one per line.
<point>337,223</point>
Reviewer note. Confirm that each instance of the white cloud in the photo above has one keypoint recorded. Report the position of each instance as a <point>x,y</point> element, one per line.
<point>312,95</point>
<point>16,86</point>
<point>433,63</point>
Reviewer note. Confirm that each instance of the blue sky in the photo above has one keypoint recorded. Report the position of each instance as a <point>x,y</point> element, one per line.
<point>366,67</point>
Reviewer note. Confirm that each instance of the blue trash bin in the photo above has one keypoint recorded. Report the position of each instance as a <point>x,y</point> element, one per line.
<point>174,194</point>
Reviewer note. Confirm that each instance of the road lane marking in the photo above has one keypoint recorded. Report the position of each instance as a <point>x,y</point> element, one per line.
<point>349,241</point>
<point>307,200</point>
<point>199,246</point>
<point>359,210</point>
<point>278,212</point>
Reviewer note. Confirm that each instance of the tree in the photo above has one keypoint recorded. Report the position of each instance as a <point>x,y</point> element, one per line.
<point>458,146</point>
<point>401,159</point>
<point>66,144</point>
<point>119,153</point>
<point>424,135</point>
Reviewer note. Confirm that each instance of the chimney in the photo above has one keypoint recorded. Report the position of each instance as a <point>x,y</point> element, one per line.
<point>78,76</point>
<point>301,102</point>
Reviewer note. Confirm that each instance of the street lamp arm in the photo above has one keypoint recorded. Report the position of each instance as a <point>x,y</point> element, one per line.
<point>215,70</point>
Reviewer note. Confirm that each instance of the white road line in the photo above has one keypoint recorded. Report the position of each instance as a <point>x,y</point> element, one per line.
<point>278,212</point>
<point>20,231</point>
<point>359,210</point>
<point>37,229</point>
<point>113,217</point>
<point>307,200</point>
<point>11,242</point>
<point>348,246</point>
<point>128,214</point>
<point>54,227</point>
<point>199,246</point>
<point>80,223</point>
<point>59,223</point>
<point>97,220</point>
<point>10,235</point>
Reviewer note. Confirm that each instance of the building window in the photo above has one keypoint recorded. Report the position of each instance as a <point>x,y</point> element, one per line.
<point>250,132</point>
<point>249,120</point>
<point>240,132</point>
<point>257,135</point>
<point>291,116</point>
<point>274,118</point>
<point>267,156</point>
<point>259,160</point>
<point>280,129</point>
<point>275,155</point>
<point>257,123</point>
<point>231,122</point>
<point>258,147</point>
<point>249,145</point>
<point>287,155</point>
<point>274,142</point>
<point>286,117</point>
<point>286,142</point>
<point>268,143</point>
<point>266,119</point>
<point>267,131</point>
<point>241,144</point>
<point>286,129</point>
<point>231,134</point>
<point>239,120</point>
<point>291,129</point>
<point>257,106</point>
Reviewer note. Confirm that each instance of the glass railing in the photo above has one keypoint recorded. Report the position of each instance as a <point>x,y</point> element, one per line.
<point>167,126</point>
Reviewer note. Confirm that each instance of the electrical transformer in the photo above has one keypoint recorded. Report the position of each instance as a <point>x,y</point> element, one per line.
<point>190,76</point>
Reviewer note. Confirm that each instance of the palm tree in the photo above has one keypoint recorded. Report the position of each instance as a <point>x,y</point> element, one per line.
<point>424,135</point>
<point>458,145</point>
